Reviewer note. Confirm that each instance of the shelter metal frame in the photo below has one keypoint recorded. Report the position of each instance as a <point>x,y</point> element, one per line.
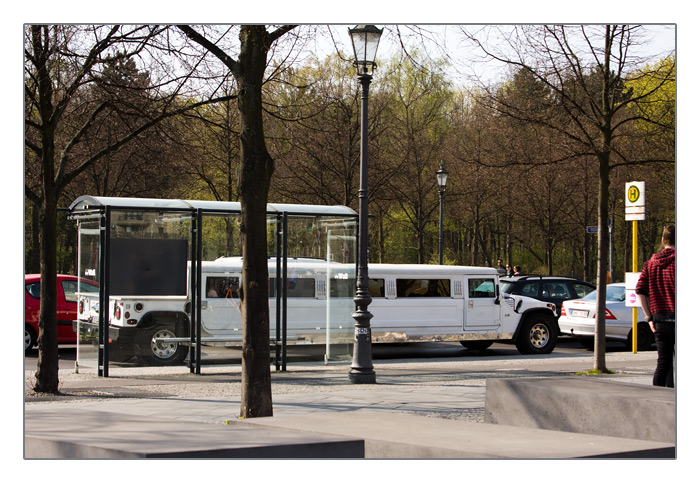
<point>93,208</point>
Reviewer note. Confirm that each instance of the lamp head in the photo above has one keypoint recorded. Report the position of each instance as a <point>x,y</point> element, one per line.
<point>441,176</point>
<point>365,41</point>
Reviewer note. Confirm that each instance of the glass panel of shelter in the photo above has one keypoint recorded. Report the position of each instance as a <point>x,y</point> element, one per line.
<point>137,236</point>
<point>88,269</point>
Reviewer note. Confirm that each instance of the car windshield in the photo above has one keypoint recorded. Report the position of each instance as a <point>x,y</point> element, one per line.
<point>612,294</point>
<point>507,287</point>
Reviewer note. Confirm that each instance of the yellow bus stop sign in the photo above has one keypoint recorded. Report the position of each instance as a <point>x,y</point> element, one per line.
<point>634,201</point>
<point>633,194</point>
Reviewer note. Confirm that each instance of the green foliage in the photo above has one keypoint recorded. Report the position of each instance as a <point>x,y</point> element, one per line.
<point>595,372</point>
<point>399,238</point>
<point>220,235</point>
<point>516,190</point>
<point>656,87</point>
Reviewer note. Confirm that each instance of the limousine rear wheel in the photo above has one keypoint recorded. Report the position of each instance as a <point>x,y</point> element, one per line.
<point>536,336</point>
<point>163,352</point>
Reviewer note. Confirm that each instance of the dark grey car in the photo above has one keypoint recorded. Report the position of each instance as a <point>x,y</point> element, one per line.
<point>547,289</point>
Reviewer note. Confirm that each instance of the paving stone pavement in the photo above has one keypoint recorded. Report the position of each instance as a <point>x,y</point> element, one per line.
<point>449,389</point>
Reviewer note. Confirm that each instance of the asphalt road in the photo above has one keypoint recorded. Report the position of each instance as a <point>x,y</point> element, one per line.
<point>419,350</point>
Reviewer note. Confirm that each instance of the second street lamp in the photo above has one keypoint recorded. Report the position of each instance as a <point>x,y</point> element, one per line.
<point>365,40</point>
<point>441,175</point>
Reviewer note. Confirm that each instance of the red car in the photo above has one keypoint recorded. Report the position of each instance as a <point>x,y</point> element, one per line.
<point>66,307</point>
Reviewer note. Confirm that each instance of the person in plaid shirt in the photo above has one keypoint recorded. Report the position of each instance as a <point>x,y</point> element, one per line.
<point>657,293</point>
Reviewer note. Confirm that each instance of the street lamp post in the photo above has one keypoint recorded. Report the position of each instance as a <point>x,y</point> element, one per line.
<point>365,40</point>
<point>441,175</point>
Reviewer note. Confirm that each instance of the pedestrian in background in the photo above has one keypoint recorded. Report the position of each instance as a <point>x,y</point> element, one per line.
<point>657,293</point>
<point>502,272</point>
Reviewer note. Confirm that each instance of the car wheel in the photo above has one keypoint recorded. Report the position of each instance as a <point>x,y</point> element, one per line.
<point>645,337</point>
<point>163,352</point>
<point>29,337</point>
<point>476,345</point>
<point>536,336</point>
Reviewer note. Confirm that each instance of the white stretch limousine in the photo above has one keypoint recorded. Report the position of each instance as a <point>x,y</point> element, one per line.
<point>409,303</point>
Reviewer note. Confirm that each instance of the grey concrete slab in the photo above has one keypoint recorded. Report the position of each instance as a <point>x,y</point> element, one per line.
<point>75,433</point>
<point>584,405</point>
<point>389,434</point>
<point>421,409</point>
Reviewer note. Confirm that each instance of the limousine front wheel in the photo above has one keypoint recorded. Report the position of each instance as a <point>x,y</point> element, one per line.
<point>536,336</point>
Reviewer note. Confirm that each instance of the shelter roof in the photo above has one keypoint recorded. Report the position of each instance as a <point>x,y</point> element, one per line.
<point>88,202</point>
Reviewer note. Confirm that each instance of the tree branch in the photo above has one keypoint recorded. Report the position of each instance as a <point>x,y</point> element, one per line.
<point>276,34</point>
<point>60,183</point>
<point>195,36</point>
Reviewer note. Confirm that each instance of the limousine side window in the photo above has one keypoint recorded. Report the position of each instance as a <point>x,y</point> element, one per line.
<point>346,287</point>
<point>342,287</point>
<point>222,287</point>
<point>296,287</point>
<point>376,288</point>
<point>480,288</point>
<point>422,287</point>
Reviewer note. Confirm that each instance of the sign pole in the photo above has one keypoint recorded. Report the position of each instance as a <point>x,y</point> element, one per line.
<point>634,211</point>
<point>634,269</point>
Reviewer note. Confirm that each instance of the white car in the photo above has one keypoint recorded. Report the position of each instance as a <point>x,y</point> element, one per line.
<point>578,319</point>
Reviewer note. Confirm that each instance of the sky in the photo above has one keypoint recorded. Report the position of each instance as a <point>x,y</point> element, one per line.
<point>660,40</point>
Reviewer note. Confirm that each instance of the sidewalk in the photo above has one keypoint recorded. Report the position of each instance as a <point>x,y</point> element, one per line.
<point>425,409</point>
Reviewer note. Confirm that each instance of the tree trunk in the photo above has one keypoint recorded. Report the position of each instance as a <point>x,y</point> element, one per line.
<point>586,258</point>
<point>609,86</point>
<point>34,262</point>
<point>256,171</point>
<point>475,239</point>
<point>380,237</point>
<point>509,240</point>
<point>47,362</point>
<point>603,240</point>
<point>420,234</point>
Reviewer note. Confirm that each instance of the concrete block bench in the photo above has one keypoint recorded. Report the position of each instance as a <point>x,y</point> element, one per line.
<point>584,404</point>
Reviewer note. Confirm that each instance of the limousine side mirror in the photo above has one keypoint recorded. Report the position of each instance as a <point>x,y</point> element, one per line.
<point>498,295</point>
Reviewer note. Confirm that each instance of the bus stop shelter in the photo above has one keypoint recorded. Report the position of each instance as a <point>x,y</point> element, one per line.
<point>155,247</point>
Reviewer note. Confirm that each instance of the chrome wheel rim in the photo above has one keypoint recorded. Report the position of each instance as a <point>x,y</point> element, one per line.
<point>539,335</point>
<point>162,349</point>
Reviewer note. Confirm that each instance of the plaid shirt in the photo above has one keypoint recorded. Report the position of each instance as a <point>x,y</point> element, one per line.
<point>658,282</point>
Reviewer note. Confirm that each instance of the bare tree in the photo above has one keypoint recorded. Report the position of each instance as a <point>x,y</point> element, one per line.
<point>257,167</point>
<point>62,62</point>
<point>419,99</point>
<point>317,140</point>
<point>586,69</point>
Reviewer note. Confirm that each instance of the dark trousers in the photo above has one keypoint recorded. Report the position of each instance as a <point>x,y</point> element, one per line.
<point>665,345</point>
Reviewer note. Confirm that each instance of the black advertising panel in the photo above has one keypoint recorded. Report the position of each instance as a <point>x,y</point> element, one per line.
<point>145,266</point>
